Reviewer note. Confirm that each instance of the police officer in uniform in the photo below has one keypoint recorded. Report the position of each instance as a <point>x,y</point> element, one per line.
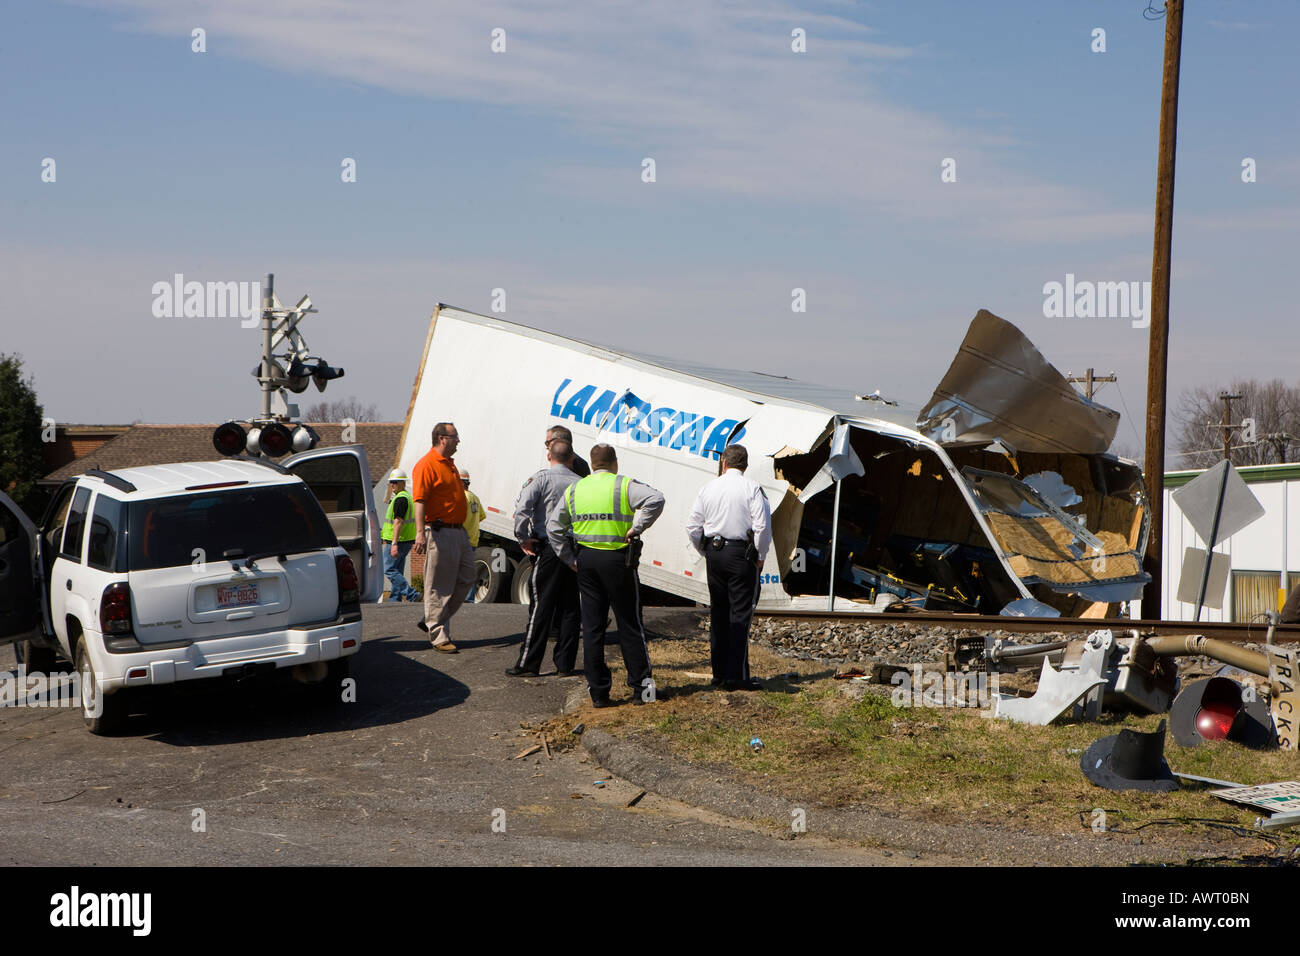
<point>731,525</point>
<point>555,586</point>
<point>398,536</point>
<point>562,433</point>
<point>596,532</point>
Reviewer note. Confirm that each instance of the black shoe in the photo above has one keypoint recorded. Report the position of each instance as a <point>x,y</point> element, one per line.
<point>560,673</point>
<point>520,672</point>
<point>716,682</point>
<point>599,702</point>
<point>421,625</point>
<point>751,683</point>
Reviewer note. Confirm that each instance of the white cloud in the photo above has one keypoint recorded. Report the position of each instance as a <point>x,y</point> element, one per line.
<point>712,92</point>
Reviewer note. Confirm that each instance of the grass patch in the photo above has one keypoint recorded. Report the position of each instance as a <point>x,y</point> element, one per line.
<point>823,745</point>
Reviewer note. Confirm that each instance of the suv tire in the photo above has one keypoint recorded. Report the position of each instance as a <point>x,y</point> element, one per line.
<point>112,709</point>
<point>36,657</point>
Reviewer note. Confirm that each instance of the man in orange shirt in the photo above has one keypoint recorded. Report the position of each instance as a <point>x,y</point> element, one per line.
<point>440,510</point>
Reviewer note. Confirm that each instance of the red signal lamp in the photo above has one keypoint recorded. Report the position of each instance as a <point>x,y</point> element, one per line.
<point>229,439</point>
<point>1220,709</point>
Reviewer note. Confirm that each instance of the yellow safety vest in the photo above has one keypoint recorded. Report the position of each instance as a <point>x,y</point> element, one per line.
<point>599,510</point>
<point>409,529</point>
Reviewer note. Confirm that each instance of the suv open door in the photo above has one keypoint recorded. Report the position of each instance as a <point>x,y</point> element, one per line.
<point>23,611</point>
<point>339,476</point>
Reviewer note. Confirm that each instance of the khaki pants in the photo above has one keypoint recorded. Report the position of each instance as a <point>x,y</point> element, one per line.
<point>448,576</point>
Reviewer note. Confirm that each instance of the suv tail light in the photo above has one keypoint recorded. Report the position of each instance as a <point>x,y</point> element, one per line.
<point>115,610</point>
<point>349,586</point>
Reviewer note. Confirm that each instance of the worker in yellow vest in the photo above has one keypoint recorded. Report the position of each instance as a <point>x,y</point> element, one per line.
<point>473,515</point>
<point>596,530</point>
<point>398,534</point>
<point>473,510</point>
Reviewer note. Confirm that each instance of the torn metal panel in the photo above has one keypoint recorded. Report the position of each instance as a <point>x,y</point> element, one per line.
<point>1045,544</point>
<point>1051,487</point>
<point>1028,607</point>
<point>1000,386</point>
<point>1059,690</point>
<point>842,462</point>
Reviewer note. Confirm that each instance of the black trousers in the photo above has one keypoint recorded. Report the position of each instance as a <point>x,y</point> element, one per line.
<point>733,592</point>
<point>606,580</point>
<point>555,601</point>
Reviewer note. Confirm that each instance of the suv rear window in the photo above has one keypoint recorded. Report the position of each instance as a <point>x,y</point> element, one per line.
<point>166,532</point>
<point>106,527</point>
<point>76,525</point>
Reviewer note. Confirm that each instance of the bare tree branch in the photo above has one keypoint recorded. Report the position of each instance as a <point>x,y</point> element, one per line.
<point>343,408</point>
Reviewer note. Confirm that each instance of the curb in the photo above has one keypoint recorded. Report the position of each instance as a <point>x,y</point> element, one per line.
<point>971,844</point>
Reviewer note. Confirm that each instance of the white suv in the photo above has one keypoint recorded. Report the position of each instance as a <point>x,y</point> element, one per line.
<point>170,573</point>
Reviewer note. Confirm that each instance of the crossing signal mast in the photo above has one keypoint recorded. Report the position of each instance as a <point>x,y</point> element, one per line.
<point>287,366</point>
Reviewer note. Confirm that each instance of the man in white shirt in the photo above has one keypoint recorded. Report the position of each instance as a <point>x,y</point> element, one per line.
<point>731,525</point>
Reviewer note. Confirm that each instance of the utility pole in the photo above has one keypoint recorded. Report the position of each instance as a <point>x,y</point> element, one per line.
<point>1158,344</point>
<point>1088,380</point>
<point>1227,426</point>
<point>1279,441</point>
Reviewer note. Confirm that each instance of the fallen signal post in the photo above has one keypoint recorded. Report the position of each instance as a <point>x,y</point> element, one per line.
<point>1241,633</point>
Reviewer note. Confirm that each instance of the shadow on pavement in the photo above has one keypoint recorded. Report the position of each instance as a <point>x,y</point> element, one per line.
<point>390,689</point>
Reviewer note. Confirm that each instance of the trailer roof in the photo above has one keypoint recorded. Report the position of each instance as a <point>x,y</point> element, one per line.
<point>836,401</point>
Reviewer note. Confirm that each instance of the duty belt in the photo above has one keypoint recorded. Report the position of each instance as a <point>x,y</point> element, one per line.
<point>440,524</point>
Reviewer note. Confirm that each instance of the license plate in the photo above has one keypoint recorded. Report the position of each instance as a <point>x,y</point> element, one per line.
<point>237,595</point>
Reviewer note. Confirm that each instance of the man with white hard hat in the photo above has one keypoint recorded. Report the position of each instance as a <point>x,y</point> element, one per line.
<point>398,534</point>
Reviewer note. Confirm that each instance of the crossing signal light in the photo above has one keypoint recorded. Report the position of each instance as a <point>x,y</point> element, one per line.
<point>322,374</point>
<point>272,440</point>
<point>1220,709</point>
<point>298,377</point>
<point>229,439</point>
<point>304,438</point>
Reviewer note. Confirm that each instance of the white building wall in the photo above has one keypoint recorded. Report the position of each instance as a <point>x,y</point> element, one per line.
<point>1260,546</point>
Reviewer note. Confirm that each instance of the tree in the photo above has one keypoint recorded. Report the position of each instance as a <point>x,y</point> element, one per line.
<point>1272,408</point>
<point>344,408</point>
<point>21,460</point>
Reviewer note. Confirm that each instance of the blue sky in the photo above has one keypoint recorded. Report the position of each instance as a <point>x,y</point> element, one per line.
<point>521,170</point>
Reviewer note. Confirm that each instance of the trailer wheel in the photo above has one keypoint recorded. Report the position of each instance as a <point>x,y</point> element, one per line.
<point>489,584</point>
<point>519,590</point>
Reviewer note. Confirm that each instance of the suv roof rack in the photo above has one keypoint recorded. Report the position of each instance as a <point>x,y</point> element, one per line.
<point>115,481</point>
<point>266,462</point>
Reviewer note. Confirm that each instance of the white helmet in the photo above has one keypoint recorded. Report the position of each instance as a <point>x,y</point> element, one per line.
<point>397,475</point>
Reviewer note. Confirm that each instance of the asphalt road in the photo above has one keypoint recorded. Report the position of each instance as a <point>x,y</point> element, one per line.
<point>415,772</point>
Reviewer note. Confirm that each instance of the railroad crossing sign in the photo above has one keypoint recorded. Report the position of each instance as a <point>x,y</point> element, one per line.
<point>1218,504</point>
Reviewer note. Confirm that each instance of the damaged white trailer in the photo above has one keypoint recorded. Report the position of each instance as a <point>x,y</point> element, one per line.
<point>872,505</point>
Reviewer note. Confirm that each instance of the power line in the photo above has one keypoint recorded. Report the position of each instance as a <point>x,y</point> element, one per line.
<point>1128,416</point>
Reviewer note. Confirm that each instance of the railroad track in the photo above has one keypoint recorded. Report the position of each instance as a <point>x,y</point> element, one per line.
<point>1232,631</point>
